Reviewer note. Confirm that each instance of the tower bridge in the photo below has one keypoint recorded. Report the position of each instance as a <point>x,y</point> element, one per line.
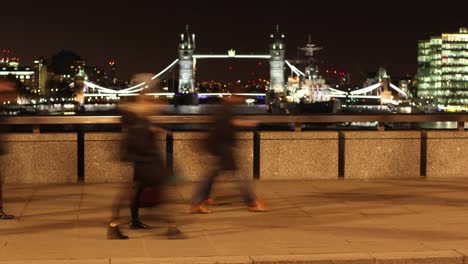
<point>187,61</point>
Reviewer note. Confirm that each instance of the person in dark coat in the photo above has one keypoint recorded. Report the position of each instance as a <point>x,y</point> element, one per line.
<point>7,93</point>
<point>139,147</point>
<point>3,215</point>
<point>221,143</point>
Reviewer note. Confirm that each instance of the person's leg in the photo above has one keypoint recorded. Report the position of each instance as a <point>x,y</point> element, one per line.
<point>3,215</point>
<point>248,194</point>
<point>120,200</point>
<point>203,191</point>
<point>204,187</point>
<point>245,187</point>
<point>169,214</point>
<point>138,188</point>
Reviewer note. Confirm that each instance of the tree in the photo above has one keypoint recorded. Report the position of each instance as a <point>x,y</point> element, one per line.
<point>60,63</point>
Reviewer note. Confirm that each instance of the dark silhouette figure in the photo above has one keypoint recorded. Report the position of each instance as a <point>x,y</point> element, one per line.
<point>139,147</point>
<point>221,143</point>
<point>7,93</point>
<point>3,215</point>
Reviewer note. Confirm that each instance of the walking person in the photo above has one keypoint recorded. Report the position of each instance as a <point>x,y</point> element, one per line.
<point>221,143</point>
<point>7,93</point>
<point>139,146</point>
<point>3,215</point>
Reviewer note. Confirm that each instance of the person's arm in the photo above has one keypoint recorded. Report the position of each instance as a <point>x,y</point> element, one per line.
<point>244,123</point>
<point>156,129</point>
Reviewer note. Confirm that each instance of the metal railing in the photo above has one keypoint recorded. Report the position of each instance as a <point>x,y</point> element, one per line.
<point>295,119</point>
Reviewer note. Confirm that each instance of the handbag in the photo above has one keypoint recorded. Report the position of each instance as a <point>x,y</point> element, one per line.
<point>150,197</point>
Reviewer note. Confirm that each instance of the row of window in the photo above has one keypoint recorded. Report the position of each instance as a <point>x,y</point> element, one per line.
<point>440,85</point>
<point>454,61</point>
<point>451,79</point>
<point>455,54</point>
<point>455,37</point>
<point>446,56</point>
<point>455,46</point>
<point>455,69</point>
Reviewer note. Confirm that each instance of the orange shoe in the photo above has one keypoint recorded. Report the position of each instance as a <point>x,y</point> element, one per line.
<point>210,202</point>
<point>257,206</point>
<point>200,209</point>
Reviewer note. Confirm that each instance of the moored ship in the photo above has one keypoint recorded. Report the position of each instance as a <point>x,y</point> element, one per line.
<point>306,92</point>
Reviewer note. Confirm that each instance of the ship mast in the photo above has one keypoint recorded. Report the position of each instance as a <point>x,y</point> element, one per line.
<point>311,69</point>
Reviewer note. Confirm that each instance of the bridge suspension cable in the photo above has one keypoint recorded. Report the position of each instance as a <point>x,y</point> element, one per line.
<point>294,68</point>
<point>367,89</point>
<point>398,90</point>
<point>133,89</point>
<point>336,91</point>
<point>375,86</point>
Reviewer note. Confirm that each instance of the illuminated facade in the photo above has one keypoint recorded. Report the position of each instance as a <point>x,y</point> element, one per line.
<point>40,70</point>
<point>23,74</point>
<point>186,63</point>
<point>277,52</point>
<point>443,70</point>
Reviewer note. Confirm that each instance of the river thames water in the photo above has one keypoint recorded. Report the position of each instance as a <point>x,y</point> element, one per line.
<point>259,109</point>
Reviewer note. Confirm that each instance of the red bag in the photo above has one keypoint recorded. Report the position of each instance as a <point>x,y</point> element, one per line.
<point>150,197</point>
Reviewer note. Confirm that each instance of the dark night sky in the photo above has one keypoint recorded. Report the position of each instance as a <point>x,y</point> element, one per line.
<point>142,36</point>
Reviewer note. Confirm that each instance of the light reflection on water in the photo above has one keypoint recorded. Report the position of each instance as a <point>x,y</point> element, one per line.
<point>110,109</point>
<point>95,109</point>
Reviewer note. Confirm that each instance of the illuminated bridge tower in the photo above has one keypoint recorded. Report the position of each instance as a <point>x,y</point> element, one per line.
<point>277,52</point>
<point>186,93</point>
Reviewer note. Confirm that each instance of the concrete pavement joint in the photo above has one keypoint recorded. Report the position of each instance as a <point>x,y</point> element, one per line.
<point>80,203</point>
<point>410,257</point>
<point>27,204</point>
<point>465,261</point>
<point>294,204</point>
<point>415,257</point>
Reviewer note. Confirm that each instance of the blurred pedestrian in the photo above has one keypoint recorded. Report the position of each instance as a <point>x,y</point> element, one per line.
<point>139,146</point>
<point>7,95</point>
<point>221,143</point>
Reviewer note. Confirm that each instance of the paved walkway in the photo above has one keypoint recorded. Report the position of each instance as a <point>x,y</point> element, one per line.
<point>310,222</point>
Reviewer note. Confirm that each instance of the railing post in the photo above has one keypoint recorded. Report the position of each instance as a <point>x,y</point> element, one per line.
<point>381,126</point>
<point>80,158</point>
<point>256,155</point>
<point>36,129</point>
<point>341,155</point>
<point>170,153</point>
<point>461,125</point>
<point>423,152</point>
<point>297,127</point>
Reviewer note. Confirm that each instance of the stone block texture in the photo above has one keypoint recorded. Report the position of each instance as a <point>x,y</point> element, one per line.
<point>103,162</point>
<point>39,158</point>
<point>447,154</point>
<point>382,154</point>
<point>299,155</point>
<point>192,162</point>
